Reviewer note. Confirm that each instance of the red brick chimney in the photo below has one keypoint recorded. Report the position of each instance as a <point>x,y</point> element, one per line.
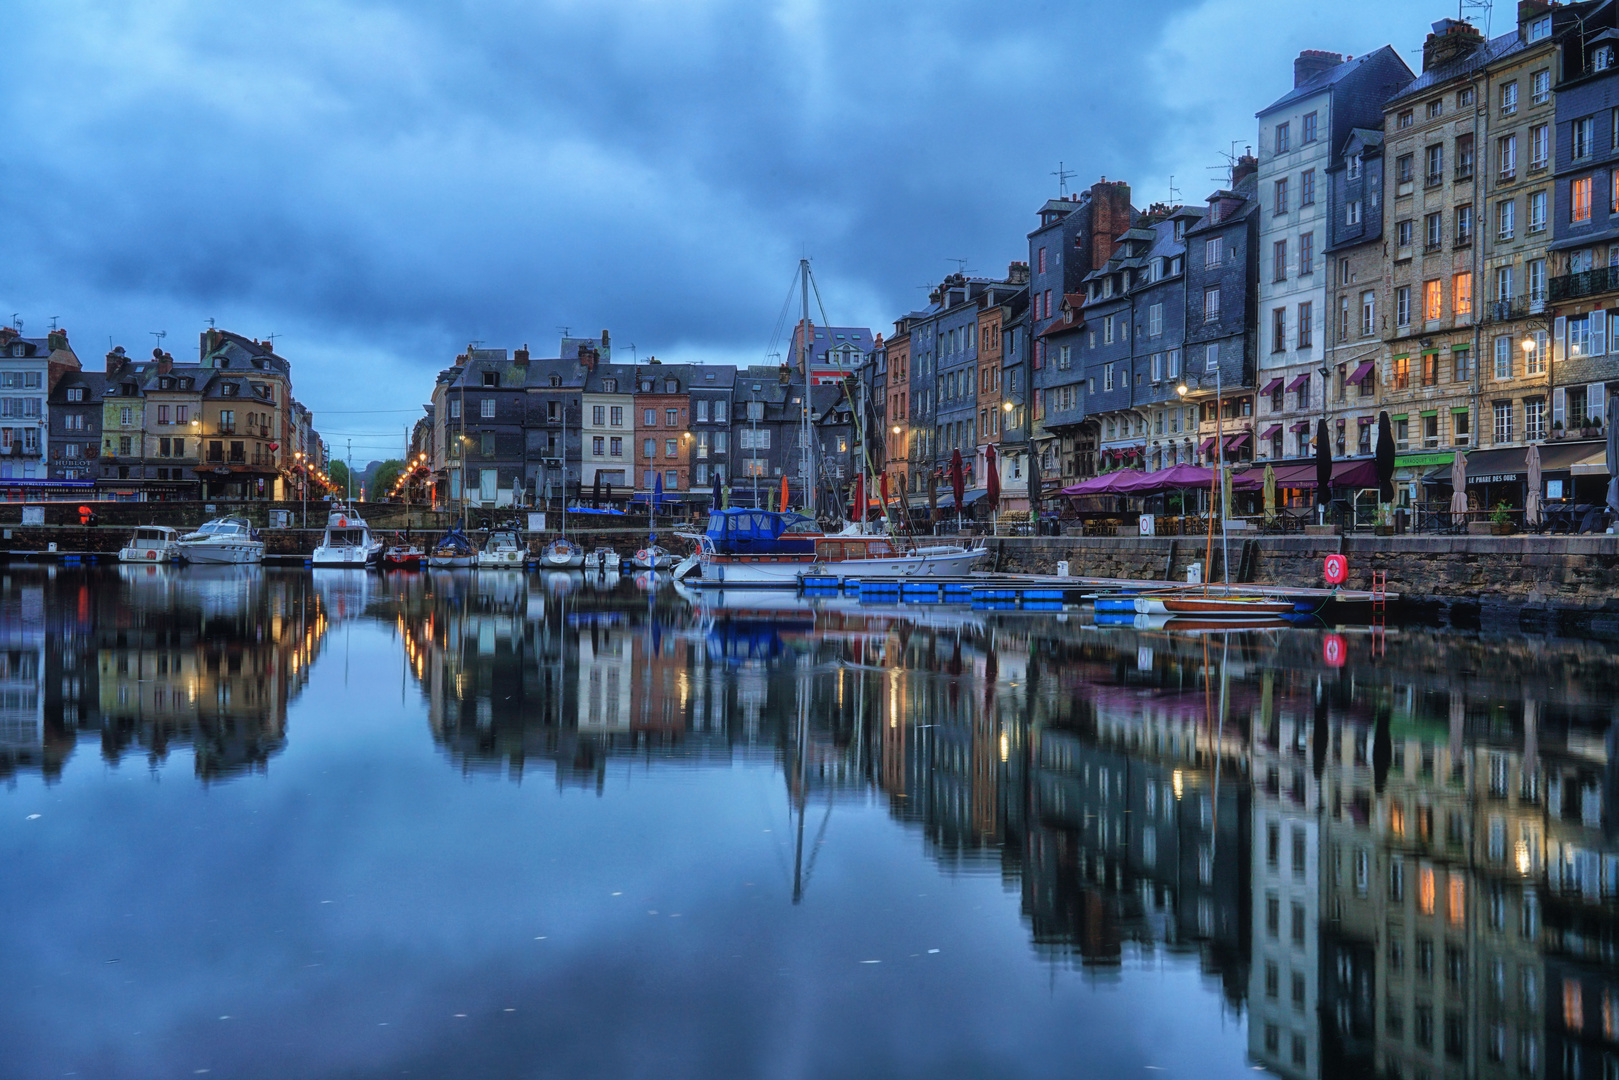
<point>1313,62</point>
<point>521,355</point>
<point>1450,41</point>
<point>115,359</point>
<point>1245,167</point>
<point>1017,273</point>
<point>1110,217</point>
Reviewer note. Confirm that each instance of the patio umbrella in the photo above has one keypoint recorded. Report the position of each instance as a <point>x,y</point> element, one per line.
<point>726,502</point>
<point>1385,458</point>
<point>784,493</point>
<point>1225,491</point>
<point>1613,455</point>
<point>1458,484</point>
<point>607,489</point>
<point>717,495</point>
<point>859,497</point>
<point>882,488</point>
<point>1270,492</point>
<point>992,478</point>
<point>1034,484</point>
<point>657,490</point>
<point>1531,502</point>
<point>958,486</point>
<point>596,493</point>
<point>1323,465</point>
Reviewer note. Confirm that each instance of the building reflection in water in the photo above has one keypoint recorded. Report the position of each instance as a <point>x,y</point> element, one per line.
<point>1402,867</point>
<point>150,659</point>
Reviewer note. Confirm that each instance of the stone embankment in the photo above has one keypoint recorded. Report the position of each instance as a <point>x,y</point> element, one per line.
<point>1570,572</point>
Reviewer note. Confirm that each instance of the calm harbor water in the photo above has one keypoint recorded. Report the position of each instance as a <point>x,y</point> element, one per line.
<point>265,823</point>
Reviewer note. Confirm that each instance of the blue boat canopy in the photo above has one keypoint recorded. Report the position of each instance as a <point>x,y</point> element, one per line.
<point>743,524</point>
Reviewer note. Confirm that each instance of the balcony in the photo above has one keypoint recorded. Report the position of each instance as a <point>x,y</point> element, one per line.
<point>1585,283</point>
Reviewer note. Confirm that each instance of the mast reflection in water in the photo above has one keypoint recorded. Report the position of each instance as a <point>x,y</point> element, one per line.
<point>898,841</point>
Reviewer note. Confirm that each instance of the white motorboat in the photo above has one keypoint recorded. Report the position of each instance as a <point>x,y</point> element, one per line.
<point>503,550</point>
<point>652,557</point>
<point>452,552</point>
<point>562,554</point>
<point>764,547</point>
<point>348,541</point>
<point>604,560</point>
<point>151,544</point>
<point>222,540</point>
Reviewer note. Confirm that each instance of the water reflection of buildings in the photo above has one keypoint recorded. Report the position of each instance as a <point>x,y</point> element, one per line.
<point>153,658</point>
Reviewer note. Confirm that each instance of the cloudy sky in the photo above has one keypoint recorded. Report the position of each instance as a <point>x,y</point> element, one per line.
<point>379,183</point>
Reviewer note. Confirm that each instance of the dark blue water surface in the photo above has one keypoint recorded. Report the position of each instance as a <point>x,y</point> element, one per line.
<point>264,823</point>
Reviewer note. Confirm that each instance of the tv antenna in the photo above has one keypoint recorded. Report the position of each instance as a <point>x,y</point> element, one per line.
<point>270,337</point>
<point>210,322</point>
<point>160,335</point>
<point>1464,6</point>
<point>566,331</point>
<point>1174,192</point>
<point>635,357</point>
<point>16,321</point>
<point>1227,166</point>
<point>54,320</point>
<point>961,265</point>
<point>1062,174</point>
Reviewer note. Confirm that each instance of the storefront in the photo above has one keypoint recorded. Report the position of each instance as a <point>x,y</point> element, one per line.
<point>1497,476</point>
<point>1574,471</point>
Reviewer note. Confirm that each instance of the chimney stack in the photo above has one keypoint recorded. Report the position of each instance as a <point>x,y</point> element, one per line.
<point>1017,273</point>
<point>521,355</point>
<point>1246,166</point>
<point>588,357</point>
<point>1451,40</point>
<point>1312,63</point>
<point>1110,217</point>
<point>115,359</point>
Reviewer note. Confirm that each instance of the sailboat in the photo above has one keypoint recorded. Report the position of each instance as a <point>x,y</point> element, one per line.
<point>562,553</point>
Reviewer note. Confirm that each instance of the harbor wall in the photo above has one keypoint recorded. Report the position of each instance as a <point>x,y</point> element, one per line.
<point>1539,571</point>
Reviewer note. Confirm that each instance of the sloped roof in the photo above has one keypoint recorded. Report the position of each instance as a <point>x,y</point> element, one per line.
<point>1489,53</point>
<point>1332,76</point>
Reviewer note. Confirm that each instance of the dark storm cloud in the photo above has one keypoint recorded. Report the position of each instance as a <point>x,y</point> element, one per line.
<point>382,182</point>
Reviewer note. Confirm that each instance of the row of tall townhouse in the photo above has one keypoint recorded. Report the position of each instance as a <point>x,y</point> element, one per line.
<point>224,427</point>
<point>506,428</point>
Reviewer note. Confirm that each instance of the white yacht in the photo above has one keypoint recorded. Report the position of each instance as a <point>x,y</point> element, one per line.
<point>348,541</point>
<point>503,550</point>
<point>222,540</point>
<point>151,544</point>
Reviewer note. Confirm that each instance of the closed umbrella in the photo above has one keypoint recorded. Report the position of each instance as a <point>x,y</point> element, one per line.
<point>1613,454</point>
<point>1531,502</point>
<point>1225,492</point>
<point>882,489</point>
<point>717,494</point>
<point>1270,493</point>
<point>596,493</point>
<point>1035,484</point>
<point>1385,458</point>
<point>1323,465</point>
<point>859,498</point>
<point>784,493</point>
<point>1458,486</point>
<point>992,478</point>
<point>657,490</point>
<point>958,484</point>
<point>607,490</point>
<point>726,502</point>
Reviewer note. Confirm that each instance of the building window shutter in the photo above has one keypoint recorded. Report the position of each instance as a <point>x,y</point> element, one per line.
<point>1596,401</point>
<point>1558,406</point>
<point>1559,337</point>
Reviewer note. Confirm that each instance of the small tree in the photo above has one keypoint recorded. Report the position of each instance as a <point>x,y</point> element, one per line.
<point>339,473</point>
<point>383,479</point>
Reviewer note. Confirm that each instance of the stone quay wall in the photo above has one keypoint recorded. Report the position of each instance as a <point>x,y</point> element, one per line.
<point>1574,572</point>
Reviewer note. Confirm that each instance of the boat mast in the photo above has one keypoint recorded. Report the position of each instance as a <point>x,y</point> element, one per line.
<point>806,465</point>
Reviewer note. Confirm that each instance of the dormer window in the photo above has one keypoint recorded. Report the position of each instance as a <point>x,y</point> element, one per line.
<point>491,378</point>
<point>1539,29</point>
<point>1602,58</point>
<point>556,380</point>
<point>646,386</point>
<point>610,386</point>
<point>671,387</point>
<point>228,390</point>
<point>1354,167</point>
<point>165,384</point>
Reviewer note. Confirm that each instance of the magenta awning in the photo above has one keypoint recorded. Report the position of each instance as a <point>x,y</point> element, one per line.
<point>1271,432</point>
<point>1298,382</point>
<point>1270,387</point>
<point>1179,477</point>
<point>1364,420</point>
<point>1302,425</point>
<point>1105,484</point>
<point>1208,444</point>
<point>1236,441</point>
<point>1365,369</point>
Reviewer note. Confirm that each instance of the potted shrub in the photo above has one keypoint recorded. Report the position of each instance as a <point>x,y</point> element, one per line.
<point>1384,526</point>
<point>1557,429</point>
<point>1501,521</point>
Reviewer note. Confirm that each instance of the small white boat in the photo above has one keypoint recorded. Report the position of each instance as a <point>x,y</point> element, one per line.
<point>151,544</point>
<point>764,547</point>
<point>562,554</point>
<point>452,552</point>
<point>604,560</point>
<point>652,557</point>
<point>1212,605</point>
<point>222,540</point>
<point>503,550</point>
<point>348,541</point>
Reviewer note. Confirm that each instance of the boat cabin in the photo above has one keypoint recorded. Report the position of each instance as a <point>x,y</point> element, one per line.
<point>838,548</point>
<point>762,532</point>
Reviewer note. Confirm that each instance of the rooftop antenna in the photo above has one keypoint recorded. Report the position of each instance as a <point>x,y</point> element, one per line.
<point>16,321</point>
<point>54,319</point>
<point>1174,192</point>
<point>961,265</point>
<point>160,335</point>
<point>1062,174</point>
<point>210,322</point>
<point>1227,166</point>
<point>566,331</point>
<point>270,337</point>
<point>1464,6</point>
<point>635,357</point>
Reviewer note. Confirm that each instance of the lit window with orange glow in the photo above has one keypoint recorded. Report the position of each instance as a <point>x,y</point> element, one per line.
<point>1573,1005</point>
<point>1456,900</point>
<point>1425,890</point>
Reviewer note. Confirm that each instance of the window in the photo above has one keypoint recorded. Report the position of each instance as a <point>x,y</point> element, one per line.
<point>1107,377</point>
<point>1535,270</point>
<point>1534,359</point>
<point>1040,261</point>
<point>1352,212</point>
<point>486,408</point>
<point>1602,58</point>
<point>1436,164</point>
<point>1461,294</point>
<point>1506,218</point>
<point>671,448</point>
<point>1283,138</point>
<point>1434,230</point>
<point>162,414</point>
<point>1506,156</point>
<point>649,417</point>
<point>1540,84</point>
<point>1534,419</point>
<point>1402,306</point>
<point>598,446</point>
<point>1353,167</point>
<point>610,386</point>
<point>1211,304</point>
<point>1503,421</point>
<point>1307,188</point>
<point>1503,356</point>
<point>649,448</point>
<point>1155,321</point>
<point>1307,253</point>
<point>1430,369</point>
<point>1280,189</point>
<point>598,415</point>
<point>1537,211</point>
<point>1404,168</point>
<point>1278,330</point>
<point>1581,135</point>
<point>1306,324</point>
<point>1509,98</point>
<point>1436,108</point>
<point>1368,313</point>
<point>1540,145</point>
<point>616,416</point>
<point>1464,225</point>
<point>1213,252</point>
<point>1307,129</point>
<point>1404,120</point>
<point>1579,200</point>
<point>486,444</point>
<point>1464,157</point>
<point>1279,261</point>
<point>1433,294</point>
<point>671,418</point>
<point>616,446</point>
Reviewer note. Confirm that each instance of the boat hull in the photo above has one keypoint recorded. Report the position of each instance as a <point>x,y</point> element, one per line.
<point>451,562</point>
<point>345,556</point>
<point>786,570</point>
<point>222,551</point>
<point>501,560</point>
<point>1222,607</point>
<point>153,554</point>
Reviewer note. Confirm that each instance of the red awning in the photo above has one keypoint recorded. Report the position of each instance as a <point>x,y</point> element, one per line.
<point>1365,369</point>
<point>1272,431</point>
<point>1208,444</point>
<point>1298,382</point>
<point>1270,387</point>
